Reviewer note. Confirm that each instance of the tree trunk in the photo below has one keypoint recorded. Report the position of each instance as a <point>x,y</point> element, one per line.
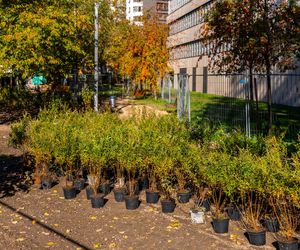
<point>256,103</point>
<point>269,95</point>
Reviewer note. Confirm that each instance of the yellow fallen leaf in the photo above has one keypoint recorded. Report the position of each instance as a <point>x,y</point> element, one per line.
<point>0,211</point>
<point>20,239</point>
<point>93,217</point>
<point>68,231</point>
<point>169,241</point>
<point>97,245</point>
<point>98,230</point>
<point>54,191</point>
<point>56,225</point>
<point>122,232</point>
<point>33,222</point>
<point>14,222</point>
<point>51,243</point>
<point>125,236</point>
<point>112,245</point>
<point>46,214</point>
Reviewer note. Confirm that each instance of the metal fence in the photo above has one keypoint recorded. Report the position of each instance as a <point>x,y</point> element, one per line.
<point>236,102</point>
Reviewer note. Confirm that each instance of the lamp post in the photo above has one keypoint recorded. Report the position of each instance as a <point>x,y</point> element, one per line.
<point>96,69</point>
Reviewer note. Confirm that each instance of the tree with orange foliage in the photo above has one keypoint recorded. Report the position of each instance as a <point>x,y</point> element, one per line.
<point>140,52</point>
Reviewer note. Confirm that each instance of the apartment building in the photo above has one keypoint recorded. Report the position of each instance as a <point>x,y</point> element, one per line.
<point>190,56</point>
<point>135,9</point>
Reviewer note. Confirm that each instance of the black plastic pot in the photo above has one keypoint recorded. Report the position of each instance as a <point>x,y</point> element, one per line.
<point>168,206</point>
<point>292,245</point>
<point>152,196</point>
<point>234,213</point>
<point>206,205</point>
<point>220,226</point>
<point>183,197</point>
<point>89,192</point>
<point>104,188</point>
<point>132,202</point>
<point>79,184</point>
<point>69,192</point>
<point>257,238</point>
<point>143,184</point>
<point>97,200</point>
<point>46,183</point>
<point>271,225</point>
<point>119,194</point>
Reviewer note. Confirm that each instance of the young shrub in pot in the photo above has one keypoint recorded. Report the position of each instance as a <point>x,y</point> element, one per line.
<point>131,158</point>
<point>216,172</point>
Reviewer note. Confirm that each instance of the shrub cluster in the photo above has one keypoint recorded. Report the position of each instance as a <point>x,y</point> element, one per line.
<point>255,175</point>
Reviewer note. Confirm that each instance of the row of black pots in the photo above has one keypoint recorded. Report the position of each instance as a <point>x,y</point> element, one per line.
<point>152,197</point>
<point>255,238</point>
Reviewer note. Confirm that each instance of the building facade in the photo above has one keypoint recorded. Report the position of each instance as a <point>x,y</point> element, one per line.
<point>190,56</point>
<point>135,9</point>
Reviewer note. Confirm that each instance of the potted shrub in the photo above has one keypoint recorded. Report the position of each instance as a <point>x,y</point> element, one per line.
<point>131,158</point>
<point>249,182</point>
<point>199,209</point>
<point>216,173</point>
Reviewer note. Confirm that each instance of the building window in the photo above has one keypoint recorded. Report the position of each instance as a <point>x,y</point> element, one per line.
<point>189,20</point>
<point>162,6</point>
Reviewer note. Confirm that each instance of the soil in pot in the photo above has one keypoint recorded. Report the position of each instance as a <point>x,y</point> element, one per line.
<point>119,194</point>
<point>183,197</point>
<point>168,206</point>
<point>89,192</point>
<point>79,184</point>
<point>46,183</point>
<point>152,197</point>
<point>97,200</point>
<point>104,188</point>
<point>220,226</point>
<point>272,225</point>
<point>132,202</point>
<point>234,213</point>
<point>69,192</point>
<point>289,245</point>
<point>257,238</point>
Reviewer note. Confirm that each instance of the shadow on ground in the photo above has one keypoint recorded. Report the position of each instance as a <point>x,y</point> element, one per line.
<point>13,176</point>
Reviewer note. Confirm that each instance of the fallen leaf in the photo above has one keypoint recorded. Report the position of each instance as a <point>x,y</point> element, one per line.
<point>122,232</point>
<point>20,239</point>
<point>97,245</point>
<point>45,233</point>
<point>0,211</point>
<point>51,243</point>
<point>169,241</point>
<point>68,231</point>
<point>115,218</point>
<point>112,245</point>
<point>56,225</point>
<point>174,224</point>
<point>46,214</point>
<point>54,191</point>
<point>125,236</point>
<point>93,217</point>
<point>14,222</point>
<point>98,230</point>
<point>33,222</point>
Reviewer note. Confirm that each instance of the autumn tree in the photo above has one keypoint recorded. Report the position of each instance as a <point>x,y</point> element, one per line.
<point>51,36</point>
<point>258,35</point>
<point>139,52</point>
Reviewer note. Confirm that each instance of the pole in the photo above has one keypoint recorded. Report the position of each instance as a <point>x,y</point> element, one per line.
<point>96,70</point>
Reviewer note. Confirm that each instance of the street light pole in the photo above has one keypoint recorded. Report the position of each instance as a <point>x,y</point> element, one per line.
<point>96,70</point>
